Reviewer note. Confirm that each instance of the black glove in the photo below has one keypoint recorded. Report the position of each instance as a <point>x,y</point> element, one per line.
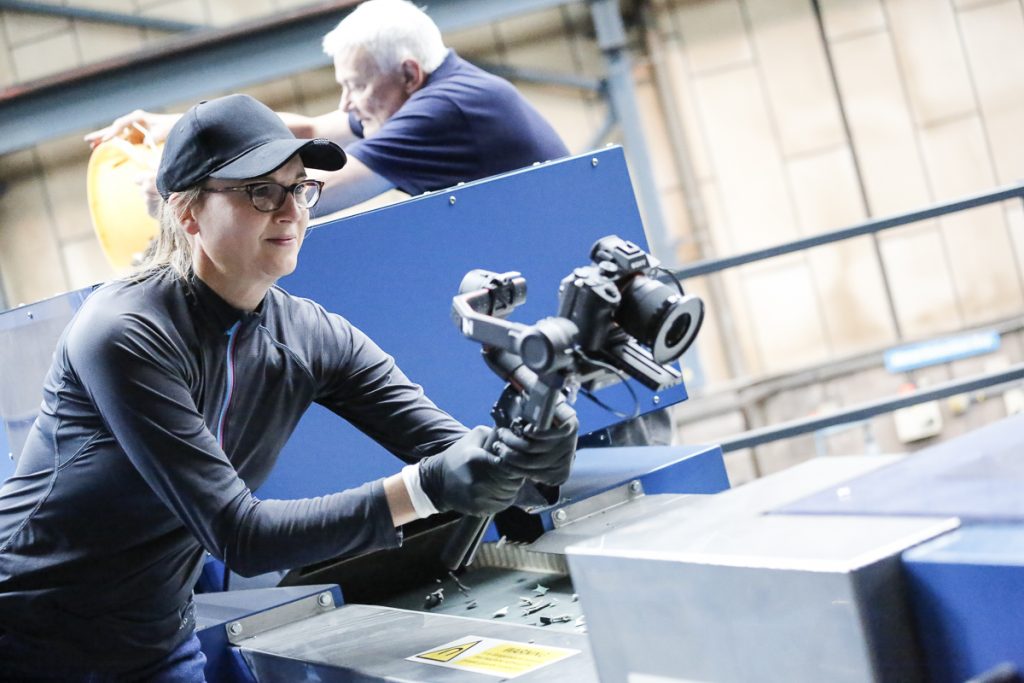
<point>468,479</point>
<point>541,456</point>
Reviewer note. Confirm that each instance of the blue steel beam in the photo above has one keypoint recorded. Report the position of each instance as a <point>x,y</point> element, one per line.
<point>611,37</point>
<point>867,228</point>
<point>100,16</point>
<point>202,64</point>
<point>785,430</point>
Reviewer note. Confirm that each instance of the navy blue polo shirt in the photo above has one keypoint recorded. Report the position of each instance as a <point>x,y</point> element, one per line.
<point>462,125</point>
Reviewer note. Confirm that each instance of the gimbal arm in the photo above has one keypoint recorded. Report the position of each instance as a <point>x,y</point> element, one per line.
<point>529,398</point>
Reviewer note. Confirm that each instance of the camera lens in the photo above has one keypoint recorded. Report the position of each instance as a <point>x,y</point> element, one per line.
<point>659,317</point>
<point>678,330</point>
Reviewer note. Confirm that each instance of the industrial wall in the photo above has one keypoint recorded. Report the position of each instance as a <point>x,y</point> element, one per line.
<point>766,121</point>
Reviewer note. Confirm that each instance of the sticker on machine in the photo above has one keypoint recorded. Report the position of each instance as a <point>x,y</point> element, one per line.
<point>493,656</point>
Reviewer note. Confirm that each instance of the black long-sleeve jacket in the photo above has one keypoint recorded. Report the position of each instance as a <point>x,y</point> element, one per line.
<point>164,408</point>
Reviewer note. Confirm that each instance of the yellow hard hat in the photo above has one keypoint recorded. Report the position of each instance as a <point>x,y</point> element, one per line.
<point>117,202</point>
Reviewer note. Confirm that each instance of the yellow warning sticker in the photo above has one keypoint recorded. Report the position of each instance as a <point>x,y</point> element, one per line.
<point>502,658</point>
<point>447,654</point>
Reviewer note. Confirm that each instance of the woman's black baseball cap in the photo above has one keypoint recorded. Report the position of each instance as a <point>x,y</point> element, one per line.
<point>235,138</point>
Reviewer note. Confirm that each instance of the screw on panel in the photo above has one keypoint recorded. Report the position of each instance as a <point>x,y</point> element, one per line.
<point>451,200</point>
<point>31,315</point>
<point>635,487</point>
<point>594,161</point>
<point>324,600</point>
<point>655,399</point>
<point>235,629</point>
<point>560,515</point>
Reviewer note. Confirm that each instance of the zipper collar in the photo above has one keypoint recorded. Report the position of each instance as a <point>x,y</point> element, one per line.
<point>222,315</point>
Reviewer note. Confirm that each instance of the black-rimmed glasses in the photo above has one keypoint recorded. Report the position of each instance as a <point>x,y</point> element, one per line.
<point>267,196</point>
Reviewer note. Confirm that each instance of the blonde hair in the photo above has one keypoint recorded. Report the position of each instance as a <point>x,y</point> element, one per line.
<point>171,248</point>
<point>391,31</point>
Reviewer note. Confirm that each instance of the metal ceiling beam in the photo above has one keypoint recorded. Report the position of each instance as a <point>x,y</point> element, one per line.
<point>100,16</point>
<point>200,64</point>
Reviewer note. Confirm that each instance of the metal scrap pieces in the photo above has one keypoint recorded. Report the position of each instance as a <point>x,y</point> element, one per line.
<point>533,609</point>
<point>433,599</point>
<point>561,619</point>
<point>463,588</point>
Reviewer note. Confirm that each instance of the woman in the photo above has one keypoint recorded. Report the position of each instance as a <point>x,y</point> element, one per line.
<point>172,393</point>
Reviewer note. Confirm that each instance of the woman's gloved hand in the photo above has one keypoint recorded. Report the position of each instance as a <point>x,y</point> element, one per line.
<point>545,456</point>
<point>467,478</point>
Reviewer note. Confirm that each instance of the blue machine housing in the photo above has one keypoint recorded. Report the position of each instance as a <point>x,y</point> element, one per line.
<point>967,589</point>
<point>966,586</point>
<point>658,469</point>
<point>393,272</point>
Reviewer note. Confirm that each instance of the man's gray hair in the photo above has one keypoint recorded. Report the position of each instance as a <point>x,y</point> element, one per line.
<point>391,31</point>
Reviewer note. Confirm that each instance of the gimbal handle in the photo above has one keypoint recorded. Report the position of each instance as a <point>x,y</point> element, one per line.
<point>528,399</point>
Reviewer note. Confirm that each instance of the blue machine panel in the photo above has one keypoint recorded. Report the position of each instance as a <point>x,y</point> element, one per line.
<point>967,588</point>
<point>28,335</point>
<point>393,273</point>
<point>659,469</point>
<point>978,476</point>
<point>6,454</point>
<point>215,610</point>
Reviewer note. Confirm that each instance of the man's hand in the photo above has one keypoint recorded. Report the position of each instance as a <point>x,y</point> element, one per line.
<point>541,456</point>
<point>136,127</point>
<point>468,479</point>
<point>147,186</point>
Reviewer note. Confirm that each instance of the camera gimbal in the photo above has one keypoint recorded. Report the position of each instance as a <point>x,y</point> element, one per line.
<point>613,318</point>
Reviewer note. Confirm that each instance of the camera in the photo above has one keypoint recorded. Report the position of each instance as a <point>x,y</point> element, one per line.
<point>615,318</point>
<point>626,316</point>
<point>612,312</point>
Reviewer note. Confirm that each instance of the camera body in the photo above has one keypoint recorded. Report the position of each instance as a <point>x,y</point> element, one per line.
<point>627,317</point>
<point>614,318</point>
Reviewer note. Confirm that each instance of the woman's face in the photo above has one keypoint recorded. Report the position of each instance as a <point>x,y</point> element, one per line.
<point>239,251</point>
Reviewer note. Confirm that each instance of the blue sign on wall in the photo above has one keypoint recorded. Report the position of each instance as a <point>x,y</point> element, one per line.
<point>935,351</point>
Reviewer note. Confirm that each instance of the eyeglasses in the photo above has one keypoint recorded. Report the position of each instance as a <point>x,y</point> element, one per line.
<point>267,196</point>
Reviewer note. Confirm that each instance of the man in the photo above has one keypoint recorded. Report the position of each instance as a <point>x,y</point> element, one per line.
<point>413,115</point>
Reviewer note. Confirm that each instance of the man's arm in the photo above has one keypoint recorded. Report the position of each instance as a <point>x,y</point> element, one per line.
<point>350,186</point>
<point>333,125</point>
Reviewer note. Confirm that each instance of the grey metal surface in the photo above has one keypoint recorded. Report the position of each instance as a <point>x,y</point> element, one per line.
<point>490,589</point>
<point>977,476</point>
<point>715,590</point>
<point>288,613</point>
<point>637,509</point>
<point>367,643</point>
<point>602,502</point>
<point>706,513</point>
<point>218,609</point>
